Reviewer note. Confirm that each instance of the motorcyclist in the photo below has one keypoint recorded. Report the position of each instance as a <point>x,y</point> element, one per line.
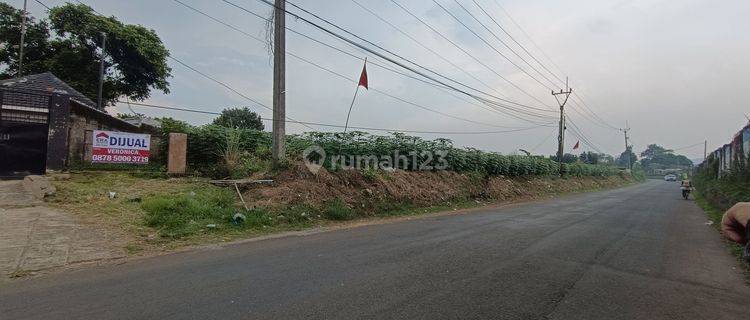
<point>686,186</point>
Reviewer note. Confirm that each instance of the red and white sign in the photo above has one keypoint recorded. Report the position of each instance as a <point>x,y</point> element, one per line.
<point>120,147</point>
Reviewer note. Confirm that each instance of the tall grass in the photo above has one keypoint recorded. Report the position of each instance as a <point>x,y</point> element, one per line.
<point>180,215</point>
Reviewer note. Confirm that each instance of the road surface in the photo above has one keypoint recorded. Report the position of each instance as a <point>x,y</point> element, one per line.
<point>639,252</point>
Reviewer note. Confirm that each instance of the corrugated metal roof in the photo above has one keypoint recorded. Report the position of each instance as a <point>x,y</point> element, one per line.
<point>47,82</point>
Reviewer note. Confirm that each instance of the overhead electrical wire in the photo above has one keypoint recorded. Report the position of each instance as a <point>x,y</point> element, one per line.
<point>361,47</point>
<point>578,131</point>
<point>480,62</point>
<point>382,56</point>
<point>415,40</point>
<point>532,150</point>
<point>581,135</point>
<point>481,8</point>
<point>488,43</point>
<point>690,146</point>
<point>209,77</point>
<point>337,73</point>
<point>492,105</point>
<point>185,109</point>
<point>422,45</point>
<point>523,31</point>
<point>586,108</point>
<point>223,84</point>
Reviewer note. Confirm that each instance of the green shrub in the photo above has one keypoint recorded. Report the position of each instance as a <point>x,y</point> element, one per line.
<point>258,218</point>
<point>457,159</point>
<point>207,143</point>
<point>181,215</point>
<point>338,210</point>
<point>370,174</point>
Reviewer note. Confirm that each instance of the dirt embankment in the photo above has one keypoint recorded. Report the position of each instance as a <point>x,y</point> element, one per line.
<point>372,191</point>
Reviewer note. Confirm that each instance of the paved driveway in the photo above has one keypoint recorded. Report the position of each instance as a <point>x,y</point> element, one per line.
<point>34,237</point>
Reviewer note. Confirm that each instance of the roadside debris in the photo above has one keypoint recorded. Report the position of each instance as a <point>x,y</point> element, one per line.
<point>38,186</point>
<point>238,219</point>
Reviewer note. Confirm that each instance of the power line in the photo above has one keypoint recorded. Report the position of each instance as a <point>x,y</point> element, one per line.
<point>208,76</point>
<point>43,5</point>
<point>424,46</point>
<point>514,40</point>
<point>690,146</point>
<point>503,43</point>
<point>529,38</point>
<point>444,37</point>
<point>378,54</point>
<point>543,140</point>
<point>585,106</point>
<point>185,109</point>
<point>580,134</point>
<point>360,46</point>
<point>341,75</point>
<point>490,103</point>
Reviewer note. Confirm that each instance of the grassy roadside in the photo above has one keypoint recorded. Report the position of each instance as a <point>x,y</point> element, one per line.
<point>156,214</point>
<point>715,215</point>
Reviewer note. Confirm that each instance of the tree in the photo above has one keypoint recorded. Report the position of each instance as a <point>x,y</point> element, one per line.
<point>68,46</point>
<point>241,118</point>
<point>666,161</point>
<point>622,160</point>
<point>590,157</point>
<point>567,158</point>
<point>653,150</point>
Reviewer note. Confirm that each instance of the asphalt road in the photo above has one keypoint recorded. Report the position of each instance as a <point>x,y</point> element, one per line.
<point>635,253</point>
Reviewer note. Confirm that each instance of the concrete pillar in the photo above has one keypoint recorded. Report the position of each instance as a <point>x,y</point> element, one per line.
<point>177,161</point>
<point>57,138</point>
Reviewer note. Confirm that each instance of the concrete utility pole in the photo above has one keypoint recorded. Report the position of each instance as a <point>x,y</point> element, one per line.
<point>627,146</point>
<point>561,134</point>
<point>23,39</point>
<point>100,102</point>
<point>705,150</point>
<point>279,81</point>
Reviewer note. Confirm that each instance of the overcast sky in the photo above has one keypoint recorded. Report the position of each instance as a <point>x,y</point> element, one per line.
<point>675,70</point>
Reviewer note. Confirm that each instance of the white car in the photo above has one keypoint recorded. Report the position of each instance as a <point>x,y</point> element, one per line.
<point>670,177</point>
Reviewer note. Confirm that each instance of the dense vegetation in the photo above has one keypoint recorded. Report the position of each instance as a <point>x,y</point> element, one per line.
<point>220,151</point>
<point>723,191</point>
<point>67,44</point>
<point>414,152</point>
<point>658,157</point>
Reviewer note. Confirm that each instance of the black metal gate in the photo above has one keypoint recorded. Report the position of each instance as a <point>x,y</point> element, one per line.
<point>24,126</point>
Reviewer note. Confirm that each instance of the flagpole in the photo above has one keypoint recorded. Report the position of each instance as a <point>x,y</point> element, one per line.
<point>350,108</point>
<point>346,126</point>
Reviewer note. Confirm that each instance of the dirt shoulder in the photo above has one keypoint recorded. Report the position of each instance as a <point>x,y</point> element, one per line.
<point>714,215</point>
<point>148,215</point>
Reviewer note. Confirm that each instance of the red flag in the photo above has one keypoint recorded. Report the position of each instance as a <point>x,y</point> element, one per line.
<point>578,144</point>
<point>363,76</point>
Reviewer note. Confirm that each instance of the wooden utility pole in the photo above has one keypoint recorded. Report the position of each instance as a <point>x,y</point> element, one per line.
<point>561,134</point>
<point>627,146</point>
<point>100,102</point>
<point>279,81</point>
<point>23,39</point>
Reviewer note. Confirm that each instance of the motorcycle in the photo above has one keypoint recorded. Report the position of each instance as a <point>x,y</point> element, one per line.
<point>686,192</point>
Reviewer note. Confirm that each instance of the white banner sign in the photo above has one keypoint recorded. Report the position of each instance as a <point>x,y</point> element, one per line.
<point>120,147</point>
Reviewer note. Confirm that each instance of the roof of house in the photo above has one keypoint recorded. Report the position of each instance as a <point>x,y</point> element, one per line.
<point>47,82</point>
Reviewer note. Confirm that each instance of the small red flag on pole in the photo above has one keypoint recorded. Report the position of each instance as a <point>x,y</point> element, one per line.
<point>578,144</point>
<point>362,83</point>
<point>363,76</point>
